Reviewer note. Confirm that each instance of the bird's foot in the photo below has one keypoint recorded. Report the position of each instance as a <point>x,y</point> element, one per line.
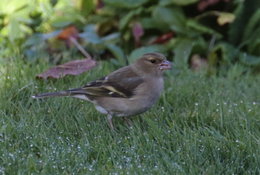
<point>110,122</point>
<point>128,122</point>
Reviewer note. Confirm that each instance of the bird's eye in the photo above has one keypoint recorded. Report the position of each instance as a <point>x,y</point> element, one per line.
<point>152,61</point>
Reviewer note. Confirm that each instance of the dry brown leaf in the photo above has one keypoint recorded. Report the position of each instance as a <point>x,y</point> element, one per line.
<point>75,67</point>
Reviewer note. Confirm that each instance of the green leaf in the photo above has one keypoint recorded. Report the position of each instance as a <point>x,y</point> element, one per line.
<point>53,2</point>
<point>195,28</point>
<point>243,13</point>
<point>178,2</point>
<point>126,19</point>
<point>125,3</point>
<point>149,23</point>
<point>69,17</point>
<point>110,37</point>
<point>118,54</point>
<point>249,60</point>
<point>254,47</point>
<point>226,52</point>
<point>86,6</point>
<point>14,29</point>
<point>137,53</point>
<point>61,22</point>
<point>253,25</point>
<point>116,51</point>
<point>90,35</point>
<point>38,38</point>
<point>170,17</point>
<point>182,50</point>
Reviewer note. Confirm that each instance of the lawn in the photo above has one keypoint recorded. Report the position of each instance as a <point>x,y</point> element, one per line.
<point>201,125</point>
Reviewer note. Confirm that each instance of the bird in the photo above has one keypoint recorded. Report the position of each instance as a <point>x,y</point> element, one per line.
<point>128,91</point>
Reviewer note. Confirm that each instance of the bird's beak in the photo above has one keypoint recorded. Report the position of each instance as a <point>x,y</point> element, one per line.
<point>165,65</point>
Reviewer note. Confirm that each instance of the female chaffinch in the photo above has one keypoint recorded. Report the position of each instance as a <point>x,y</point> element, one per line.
<point>128,91</point>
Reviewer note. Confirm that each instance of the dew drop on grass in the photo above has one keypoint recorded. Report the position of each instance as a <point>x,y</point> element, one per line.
<point>12,156</point>
<point>162,108</point>
<point>2,170</point>
<point>178,150</point>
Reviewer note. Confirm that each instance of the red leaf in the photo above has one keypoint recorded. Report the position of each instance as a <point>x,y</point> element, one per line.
<point>67,33</point>
<point>75,67</point>
<point>163,38</point>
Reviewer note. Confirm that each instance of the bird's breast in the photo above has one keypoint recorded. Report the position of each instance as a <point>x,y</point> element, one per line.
<point>147,94</point>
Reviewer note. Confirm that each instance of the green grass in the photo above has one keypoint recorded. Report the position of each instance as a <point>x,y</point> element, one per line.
<point>200,126</point>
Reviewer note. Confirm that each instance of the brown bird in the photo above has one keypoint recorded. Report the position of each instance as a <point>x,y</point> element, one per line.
<point>128,91</point>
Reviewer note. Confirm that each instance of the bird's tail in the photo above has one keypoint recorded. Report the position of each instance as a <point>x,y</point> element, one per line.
<point>72,92</point>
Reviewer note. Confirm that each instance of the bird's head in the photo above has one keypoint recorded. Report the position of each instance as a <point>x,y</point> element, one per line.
<point>153,64</point>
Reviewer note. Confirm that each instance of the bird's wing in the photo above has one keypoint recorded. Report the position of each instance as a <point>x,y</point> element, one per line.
<point>121,83</point>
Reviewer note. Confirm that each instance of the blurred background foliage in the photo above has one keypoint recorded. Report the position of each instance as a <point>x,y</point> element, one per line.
<point>197,34</point>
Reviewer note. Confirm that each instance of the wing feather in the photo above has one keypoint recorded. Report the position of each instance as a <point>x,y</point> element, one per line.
<point>121,83</point>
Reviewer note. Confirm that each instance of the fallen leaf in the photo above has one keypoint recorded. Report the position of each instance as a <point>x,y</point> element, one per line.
<point>75,67</point>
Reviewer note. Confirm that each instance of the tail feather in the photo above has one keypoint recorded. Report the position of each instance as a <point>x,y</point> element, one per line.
<point>52,94</point>
<point>71,92</point>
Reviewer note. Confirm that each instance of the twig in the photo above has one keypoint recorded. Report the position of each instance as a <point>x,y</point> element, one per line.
<point>81,49</point>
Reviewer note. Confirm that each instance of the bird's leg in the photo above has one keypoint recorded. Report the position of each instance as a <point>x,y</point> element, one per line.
<point>128,122</point>
<point>110,122</point>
